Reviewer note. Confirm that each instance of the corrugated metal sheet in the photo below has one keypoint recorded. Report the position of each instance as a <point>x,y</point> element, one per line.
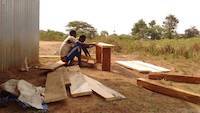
<point>19,32</point>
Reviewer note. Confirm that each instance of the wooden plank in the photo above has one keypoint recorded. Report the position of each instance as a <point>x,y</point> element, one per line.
<point>141,66</point>
<point>55,87</point>
<point>49,56</point>
<point>175,78</point>
<point>69,71</point>
<point>106,61</point>
<point>79,86</point>
<point>98,54</point>
<point>107,93</point>
<point>169,90</point>
<point>53,66</point>
<point>63,71</point>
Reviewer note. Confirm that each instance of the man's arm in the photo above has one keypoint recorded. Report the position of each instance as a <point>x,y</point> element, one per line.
<point>88,45</point>
<point>84,47</point>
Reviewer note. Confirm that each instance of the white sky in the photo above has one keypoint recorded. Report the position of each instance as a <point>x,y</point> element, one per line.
<point>118,15</point>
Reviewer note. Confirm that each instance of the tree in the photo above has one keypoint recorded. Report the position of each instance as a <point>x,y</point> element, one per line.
<point>51,35</point>
<point>191,32</point>
<point>82,28</point>
<point>152,23</point>
<point>140,29</point>
<point>155,31</point>
<point>170,25</point>
<point>104,33</point>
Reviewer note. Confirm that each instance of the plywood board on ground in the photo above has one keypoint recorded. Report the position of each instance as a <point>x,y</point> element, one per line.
<point>102,90</point>
<point>175,78</point>
<point>159,69</point>
<point>68,71</point>
<point>55,87</point>
<point>142,66</point>
<point>63,71</point>
<point>49,56</point>
<point>168,90</point>
<point>53,66</point>
<point>79,86</point>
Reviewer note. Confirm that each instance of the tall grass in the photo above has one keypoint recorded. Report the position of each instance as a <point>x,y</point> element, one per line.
<point>188,48</point>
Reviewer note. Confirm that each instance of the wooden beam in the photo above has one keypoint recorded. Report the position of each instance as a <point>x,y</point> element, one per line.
<point>55,87</point>
<point>79,86</point>
<point>175,78</point>
<point>54,66</point>
<point>107,93</point>
<point>169,90</point>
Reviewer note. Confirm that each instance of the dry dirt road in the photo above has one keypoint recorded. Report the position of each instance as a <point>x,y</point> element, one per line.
<point>138,100</point>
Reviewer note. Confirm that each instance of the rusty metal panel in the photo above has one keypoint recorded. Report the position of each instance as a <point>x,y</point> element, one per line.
<point>19,32</point>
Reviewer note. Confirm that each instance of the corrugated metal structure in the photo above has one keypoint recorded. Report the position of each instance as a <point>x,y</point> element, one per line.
<point>19,32</point>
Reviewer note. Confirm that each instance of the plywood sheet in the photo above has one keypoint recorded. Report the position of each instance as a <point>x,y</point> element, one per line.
<point>68,71</point>
<point>142,66</point>
<point>55,87</point>
<point>102,90</point>
<point>131,65</point>
<point>161,69</point>
<point>49,56</point>
<point>79,86</point>
<point>53,66</point>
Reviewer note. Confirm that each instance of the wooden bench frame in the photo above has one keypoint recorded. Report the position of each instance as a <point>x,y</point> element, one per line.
<point>103,55</point>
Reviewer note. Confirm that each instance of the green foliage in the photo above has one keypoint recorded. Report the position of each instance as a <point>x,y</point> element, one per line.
<point>170,25</point>
<point>82,28</point>
<point>187,48</point>
<point>51,35</point>
<point>104,33</point>
<point>155,32</point>
<point>191,32</point>
<point>140,29</point>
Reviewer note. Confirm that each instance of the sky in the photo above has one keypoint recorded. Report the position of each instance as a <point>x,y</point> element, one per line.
<point>117,15</point>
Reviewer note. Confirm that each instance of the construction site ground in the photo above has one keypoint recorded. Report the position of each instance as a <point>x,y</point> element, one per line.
<point>139,100</point>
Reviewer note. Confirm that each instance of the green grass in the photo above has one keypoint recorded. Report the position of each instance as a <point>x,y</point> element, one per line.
<point>175,48</point>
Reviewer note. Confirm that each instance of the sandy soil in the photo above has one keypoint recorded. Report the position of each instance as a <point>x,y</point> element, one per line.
<point>138,100</point>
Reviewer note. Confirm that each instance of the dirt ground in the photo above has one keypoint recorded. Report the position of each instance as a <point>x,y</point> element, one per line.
<point>123,80</point>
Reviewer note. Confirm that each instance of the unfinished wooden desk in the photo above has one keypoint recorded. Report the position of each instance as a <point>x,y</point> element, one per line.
<point>103,55</point>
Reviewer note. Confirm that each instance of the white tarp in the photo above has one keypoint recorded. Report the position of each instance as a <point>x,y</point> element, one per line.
<point>30,94</point>
<point>26,92</point>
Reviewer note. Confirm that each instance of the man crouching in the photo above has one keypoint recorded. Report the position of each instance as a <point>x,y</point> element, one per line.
<point>71,48</point>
